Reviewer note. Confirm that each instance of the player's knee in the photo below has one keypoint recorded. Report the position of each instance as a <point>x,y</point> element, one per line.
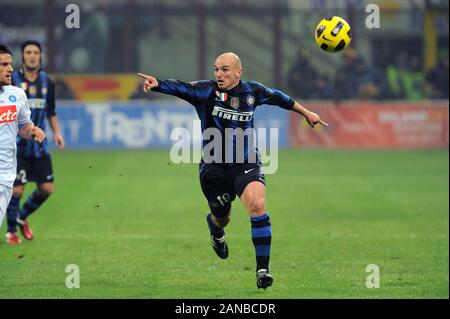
<point>257,207</point>
<point>18,191</point>
<point>46,190</point>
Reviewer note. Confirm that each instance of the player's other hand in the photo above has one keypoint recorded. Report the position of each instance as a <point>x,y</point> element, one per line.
<point>38,134</point>
<point>149,81</point>
<point>59,141</point>
<point>313,119</point>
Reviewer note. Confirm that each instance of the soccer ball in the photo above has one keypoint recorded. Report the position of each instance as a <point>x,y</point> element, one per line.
<point>333,34</point>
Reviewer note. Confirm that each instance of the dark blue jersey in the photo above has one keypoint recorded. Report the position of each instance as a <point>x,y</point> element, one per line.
<point>41,100</point>
<point>228,112</point>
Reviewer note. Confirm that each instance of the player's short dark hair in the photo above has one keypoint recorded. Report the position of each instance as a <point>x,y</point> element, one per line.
<point>5,49</point>
<point>30,42</point>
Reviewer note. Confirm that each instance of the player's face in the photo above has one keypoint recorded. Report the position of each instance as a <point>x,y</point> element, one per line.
<point>227,73</point>
<point>31,57</point>
<point>6,69</point>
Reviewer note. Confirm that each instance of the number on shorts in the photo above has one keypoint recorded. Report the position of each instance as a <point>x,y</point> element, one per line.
<point>22,176</point>
<point>224,199</point>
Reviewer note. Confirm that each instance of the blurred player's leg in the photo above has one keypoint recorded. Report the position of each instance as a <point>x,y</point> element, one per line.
<point>5,199</point>
<point>33,202</point>
<point>12,214</point>
<point>40,171</point>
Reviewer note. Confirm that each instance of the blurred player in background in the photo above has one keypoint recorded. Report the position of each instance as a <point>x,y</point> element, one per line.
<point>14,119</point>
<point>33,159</point>
<point>229,103</point>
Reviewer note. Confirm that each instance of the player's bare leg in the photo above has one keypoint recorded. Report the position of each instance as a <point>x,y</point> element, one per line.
<point>254,199</point>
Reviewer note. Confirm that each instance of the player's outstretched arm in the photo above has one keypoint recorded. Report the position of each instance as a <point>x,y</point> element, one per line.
<point>31,132</point>
<point>311,117</point>
<point>150,82</point>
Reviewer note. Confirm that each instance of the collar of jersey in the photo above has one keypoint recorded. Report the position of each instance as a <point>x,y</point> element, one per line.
<point>230,90</point>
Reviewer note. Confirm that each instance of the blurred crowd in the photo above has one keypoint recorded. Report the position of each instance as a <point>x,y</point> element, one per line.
<point>402,78</point>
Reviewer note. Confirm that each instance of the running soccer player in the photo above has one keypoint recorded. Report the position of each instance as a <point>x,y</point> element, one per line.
<point>33,159</point>
<point>14,119</point>
<point>224,104</point>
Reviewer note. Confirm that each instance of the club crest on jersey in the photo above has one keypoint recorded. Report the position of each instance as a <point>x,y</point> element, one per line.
<point>234,103</point>
<point>12,98</point>
<point>221,96</point>
<point>44,91</point>
<point>32,90</point>
<point>23,86</point>
<point>250,100</point>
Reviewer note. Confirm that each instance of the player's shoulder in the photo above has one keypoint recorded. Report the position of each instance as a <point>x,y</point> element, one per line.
<point>46,76</point>
<point>255,84</point>
<point>14,92</point>
<point>202,83</point>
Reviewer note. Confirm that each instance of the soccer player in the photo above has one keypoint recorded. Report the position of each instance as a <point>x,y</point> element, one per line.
<point>224,104</point>
<point>14,119</point>
<point>33,159</point>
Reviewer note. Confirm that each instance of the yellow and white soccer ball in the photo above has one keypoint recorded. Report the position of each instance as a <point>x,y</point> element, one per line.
<point>333,34</point>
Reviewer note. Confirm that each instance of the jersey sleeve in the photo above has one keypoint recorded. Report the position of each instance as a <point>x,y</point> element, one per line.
<point>192,92</point>
<point>51,108</point>
<point>23,117</point>
<point>266,95</point>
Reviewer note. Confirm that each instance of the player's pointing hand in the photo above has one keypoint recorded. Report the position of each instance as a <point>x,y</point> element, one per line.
<point>149,83</point>
<point>313,118</point>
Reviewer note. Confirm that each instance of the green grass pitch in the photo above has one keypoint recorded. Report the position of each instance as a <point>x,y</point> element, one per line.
<point>135,225</point>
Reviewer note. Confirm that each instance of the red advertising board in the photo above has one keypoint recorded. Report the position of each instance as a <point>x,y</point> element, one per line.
<point>374,125</point>
<point>95,87</point>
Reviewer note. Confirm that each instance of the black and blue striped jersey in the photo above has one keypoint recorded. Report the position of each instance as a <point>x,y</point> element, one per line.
<point>229,112</point>
<point>41,100</point>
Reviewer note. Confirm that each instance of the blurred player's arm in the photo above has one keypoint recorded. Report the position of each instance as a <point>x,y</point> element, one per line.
<point>52,118</point>
<point>31,132</point>
<point>57,137</point>
<point>311,117</point>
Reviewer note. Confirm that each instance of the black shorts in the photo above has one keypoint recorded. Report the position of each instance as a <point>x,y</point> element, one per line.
<point>32,169</point>
<point>220,184</point>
